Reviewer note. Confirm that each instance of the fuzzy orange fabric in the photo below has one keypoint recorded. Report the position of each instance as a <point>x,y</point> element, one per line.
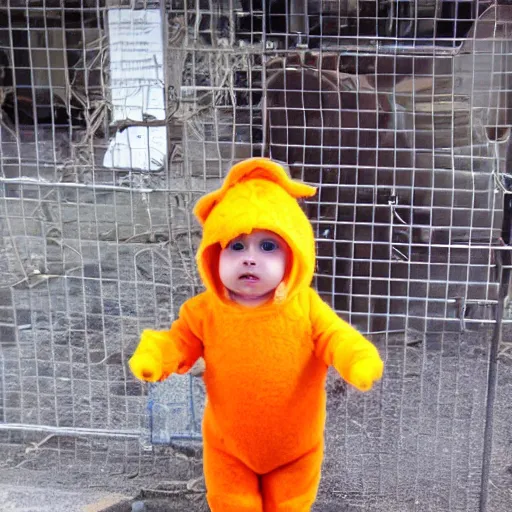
<point>266,366</point>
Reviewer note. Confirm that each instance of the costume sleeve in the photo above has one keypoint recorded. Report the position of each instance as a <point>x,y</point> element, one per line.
<point>337,343</point>
<point>161,353</point>
<point>187,332</point>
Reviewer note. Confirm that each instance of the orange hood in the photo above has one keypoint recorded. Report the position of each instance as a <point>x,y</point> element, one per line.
<point>256,194</point>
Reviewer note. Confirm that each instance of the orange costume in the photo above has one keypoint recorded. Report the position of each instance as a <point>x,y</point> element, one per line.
<point>265,366</point>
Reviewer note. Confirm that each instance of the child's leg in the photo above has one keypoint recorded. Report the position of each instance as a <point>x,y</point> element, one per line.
<point>293,487</point>
<point>230,485</point>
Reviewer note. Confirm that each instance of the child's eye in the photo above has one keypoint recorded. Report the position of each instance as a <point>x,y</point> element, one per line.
<point>269,246</point>
<point>237,246</point>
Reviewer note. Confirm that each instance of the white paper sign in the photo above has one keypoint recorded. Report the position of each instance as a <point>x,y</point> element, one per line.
<point>138,147</point>
<point>136,64</point>
<point>137,89</point>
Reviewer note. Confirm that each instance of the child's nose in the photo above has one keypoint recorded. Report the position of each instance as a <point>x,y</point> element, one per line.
<point>249,261</point>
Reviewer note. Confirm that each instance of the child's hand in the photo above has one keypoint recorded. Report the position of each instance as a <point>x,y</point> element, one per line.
<point>365,372</point>
<point>146,367</point>
<point>147,363</point>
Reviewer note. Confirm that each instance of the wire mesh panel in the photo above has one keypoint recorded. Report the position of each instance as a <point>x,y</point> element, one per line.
<point>87,245</point>
<point>407,150</point>
<point>117,116</point>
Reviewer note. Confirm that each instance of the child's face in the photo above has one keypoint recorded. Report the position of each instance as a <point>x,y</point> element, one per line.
<point>252,266</point>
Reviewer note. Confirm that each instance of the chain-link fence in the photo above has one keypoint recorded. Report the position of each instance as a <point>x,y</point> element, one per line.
<point>117,116</point>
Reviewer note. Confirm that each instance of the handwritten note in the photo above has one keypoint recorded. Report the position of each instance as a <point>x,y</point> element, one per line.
<point>137,89</point>
<point>136,64</point>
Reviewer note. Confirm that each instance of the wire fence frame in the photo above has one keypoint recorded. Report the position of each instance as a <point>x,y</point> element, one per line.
<point>230,94</point>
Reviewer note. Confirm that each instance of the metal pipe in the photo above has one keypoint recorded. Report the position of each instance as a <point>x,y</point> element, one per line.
<point>504,262</point>
<point>71,431</point>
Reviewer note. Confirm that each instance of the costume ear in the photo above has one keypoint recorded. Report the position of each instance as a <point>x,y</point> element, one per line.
<point>252,169</point>
<point>265,169</point>
<point>205,205</point>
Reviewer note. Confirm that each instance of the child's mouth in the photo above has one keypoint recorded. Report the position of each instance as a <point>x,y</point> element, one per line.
<point>249,277</point>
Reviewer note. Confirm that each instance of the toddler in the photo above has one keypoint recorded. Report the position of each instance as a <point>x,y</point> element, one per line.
<point>267,339</point>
